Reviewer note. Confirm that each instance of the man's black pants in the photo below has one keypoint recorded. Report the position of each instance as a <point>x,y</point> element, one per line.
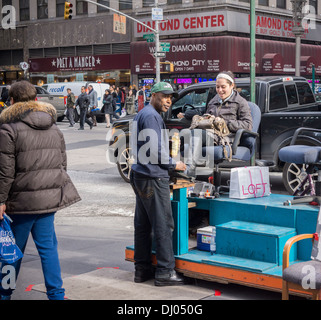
<point>153,214</point>
<point>83,119</point>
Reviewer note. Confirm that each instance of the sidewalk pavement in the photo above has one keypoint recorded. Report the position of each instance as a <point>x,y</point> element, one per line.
<point>92,258</point>
<point>116,284</point>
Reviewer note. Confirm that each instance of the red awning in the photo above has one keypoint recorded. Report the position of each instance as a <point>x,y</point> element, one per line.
<point>272,63</point>
<point>306,64</point>
<point>214,54</point>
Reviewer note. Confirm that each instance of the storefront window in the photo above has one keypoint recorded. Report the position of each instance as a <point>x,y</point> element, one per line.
<point>11,57</point>
<point>281,4</point>
<point>105,3</point>
<point>82,8</point>
<point>174,1</point>
<point>24,10</point>
<point>264,3</point>
<point>148,3</point>
<point>60,8</point>
<point>116,77</point>
<point>42,9</point>
<point>125,5</point>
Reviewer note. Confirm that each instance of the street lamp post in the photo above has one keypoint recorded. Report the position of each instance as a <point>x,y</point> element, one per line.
<point>157,58</point>
<point>297,6</point>
<point>252,49</point>
<point>155,31</point>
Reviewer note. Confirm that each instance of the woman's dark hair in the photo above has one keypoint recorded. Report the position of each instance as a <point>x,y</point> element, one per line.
<point>22,91</point>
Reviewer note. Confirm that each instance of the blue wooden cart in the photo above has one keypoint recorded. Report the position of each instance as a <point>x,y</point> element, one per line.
<point>250,237</point>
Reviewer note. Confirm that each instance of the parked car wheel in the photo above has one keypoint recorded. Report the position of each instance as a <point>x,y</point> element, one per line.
<point>293,175</point>
<point>124,164</point>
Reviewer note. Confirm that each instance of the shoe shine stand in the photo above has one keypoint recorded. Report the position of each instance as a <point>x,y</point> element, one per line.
<point>250,237</point>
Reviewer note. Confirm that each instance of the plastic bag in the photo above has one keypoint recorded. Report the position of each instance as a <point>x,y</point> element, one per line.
<point>95,111</point>
<point>9,251</point>
<point>249,182</point>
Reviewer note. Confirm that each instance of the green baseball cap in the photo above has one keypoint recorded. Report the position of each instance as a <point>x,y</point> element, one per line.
<point>164,87</point>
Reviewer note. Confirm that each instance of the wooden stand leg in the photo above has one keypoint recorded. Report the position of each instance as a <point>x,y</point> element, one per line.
<point>285,290</point>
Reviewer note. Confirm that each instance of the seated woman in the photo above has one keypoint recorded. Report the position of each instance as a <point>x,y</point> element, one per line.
<point>228,105</point>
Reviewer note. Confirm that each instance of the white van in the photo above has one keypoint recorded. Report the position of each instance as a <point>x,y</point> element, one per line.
<point>60,88</point>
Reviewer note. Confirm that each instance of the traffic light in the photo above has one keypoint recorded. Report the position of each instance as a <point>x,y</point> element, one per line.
<point>68,10</point>
<point>167,67</point>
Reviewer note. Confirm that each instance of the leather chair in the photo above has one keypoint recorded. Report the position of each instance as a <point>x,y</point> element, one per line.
<point>243,148</point>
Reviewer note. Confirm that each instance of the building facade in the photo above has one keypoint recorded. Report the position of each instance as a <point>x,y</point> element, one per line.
<point>204,36</point>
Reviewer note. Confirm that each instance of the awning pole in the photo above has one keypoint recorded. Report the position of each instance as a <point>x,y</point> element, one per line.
<point>252,53</point>
<point>252,64</point>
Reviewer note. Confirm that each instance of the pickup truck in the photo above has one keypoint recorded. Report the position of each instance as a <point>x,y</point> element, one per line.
<point>286,103</point>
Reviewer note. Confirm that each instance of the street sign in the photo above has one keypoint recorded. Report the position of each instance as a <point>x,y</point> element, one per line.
<point>157,14</point>
<point>160,54</point>
<point>24,66</point>
<point>165,46</point>
<point>149,37</point>
<point>164,49</point>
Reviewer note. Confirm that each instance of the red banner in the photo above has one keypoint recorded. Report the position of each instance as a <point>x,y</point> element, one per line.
<point>81,63</point>
<point>214,54</point>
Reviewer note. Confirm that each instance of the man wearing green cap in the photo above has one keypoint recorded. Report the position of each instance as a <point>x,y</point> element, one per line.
<point>150,181</point>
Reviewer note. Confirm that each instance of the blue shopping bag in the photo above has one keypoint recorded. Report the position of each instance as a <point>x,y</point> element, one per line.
<point>9,251</point>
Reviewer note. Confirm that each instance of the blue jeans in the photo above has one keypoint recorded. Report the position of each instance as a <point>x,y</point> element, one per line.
<point>43,233</point>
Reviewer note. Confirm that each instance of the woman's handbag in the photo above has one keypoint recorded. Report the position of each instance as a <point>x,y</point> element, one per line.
<point>217,128</point>
<point>9,251</point>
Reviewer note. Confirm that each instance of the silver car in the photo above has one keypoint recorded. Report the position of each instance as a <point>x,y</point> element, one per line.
<point>57,101</point>
<point>42,95</point>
